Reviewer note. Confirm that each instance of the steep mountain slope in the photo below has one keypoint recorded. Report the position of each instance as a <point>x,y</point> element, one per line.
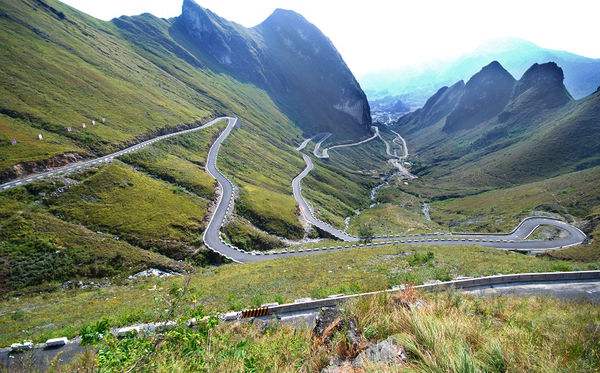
<point>289,58</point>
<point>527,130</point>
<point>416,84</point>
<point>90,87</point>
<point>485,95</point>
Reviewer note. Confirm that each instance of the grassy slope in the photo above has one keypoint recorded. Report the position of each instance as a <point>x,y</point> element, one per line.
<point>574,194</point>
<point>450,333</point>
<point>390,218</point>
<point>138,78</point>
<point>234,286</point>
<point>144,211</point>
<point>40,251</point>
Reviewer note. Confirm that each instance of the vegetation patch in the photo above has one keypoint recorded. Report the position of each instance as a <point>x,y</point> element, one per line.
<point>446,332</point>
<point>244,236</point>
<point>234,286</point>
<point>144,211</point>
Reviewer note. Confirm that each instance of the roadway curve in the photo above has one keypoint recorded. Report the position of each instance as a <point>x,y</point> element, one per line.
<point>78,166</point>
<point>516,240</point>
<point>325,152</point>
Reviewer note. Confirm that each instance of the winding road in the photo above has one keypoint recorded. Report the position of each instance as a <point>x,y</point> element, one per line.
<point>325,152</point>
<point>516,240</point>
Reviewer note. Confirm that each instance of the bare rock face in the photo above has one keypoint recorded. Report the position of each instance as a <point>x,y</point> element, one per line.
<point>385,352</point>
<point>289,58</point>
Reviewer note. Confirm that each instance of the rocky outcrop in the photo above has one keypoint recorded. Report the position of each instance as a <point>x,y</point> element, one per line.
<point>386,352</point>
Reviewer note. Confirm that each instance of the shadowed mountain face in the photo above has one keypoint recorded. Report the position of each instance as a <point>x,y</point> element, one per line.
<point>484,96</point>
<point>289,58</point>
<point>508,130</point>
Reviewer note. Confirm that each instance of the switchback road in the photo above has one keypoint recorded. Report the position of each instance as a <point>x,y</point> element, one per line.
<point>516,240</point>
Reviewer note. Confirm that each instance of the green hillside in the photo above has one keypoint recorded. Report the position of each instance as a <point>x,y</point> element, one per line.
<point>117,83</point>
<point>539,132</point>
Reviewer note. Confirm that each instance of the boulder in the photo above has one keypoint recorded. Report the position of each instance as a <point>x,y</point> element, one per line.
<point>385,352</point>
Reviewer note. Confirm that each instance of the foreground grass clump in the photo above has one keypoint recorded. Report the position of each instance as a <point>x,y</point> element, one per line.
<point>233,286</point>
<point>446,332</point>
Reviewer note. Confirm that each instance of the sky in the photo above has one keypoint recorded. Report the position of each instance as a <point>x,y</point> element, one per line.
<point>381,35</point>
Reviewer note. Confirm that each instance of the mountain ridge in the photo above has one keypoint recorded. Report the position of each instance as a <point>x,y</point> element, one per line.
<point>514,136</point>
<point>415,85</point>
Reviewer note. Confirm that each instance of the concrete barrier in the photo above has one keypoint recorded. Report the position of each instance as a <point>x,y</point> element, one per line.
<point>305,304</point>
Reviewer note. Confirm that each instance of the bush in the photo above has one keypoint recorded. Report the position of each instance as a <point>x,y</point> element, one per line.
<point>93,333</point>
<point>420,258</point>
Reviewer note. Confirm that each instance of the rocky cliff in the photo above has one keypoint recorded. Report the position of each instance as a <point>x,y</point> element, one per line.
<point>288,57</point>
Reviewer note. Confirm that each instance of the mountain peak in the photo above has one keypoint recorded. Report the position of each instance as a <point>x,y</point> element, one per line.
<point>493,70</point>
<point>284,17</point>
<point>545,73</point>
<point>544,82</point>
<point>485,95</point>
<point>493,66</point>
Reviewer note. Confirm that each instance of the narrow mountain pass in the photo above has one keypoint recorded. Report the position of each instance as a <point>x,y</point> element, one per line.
<point>516,240</point>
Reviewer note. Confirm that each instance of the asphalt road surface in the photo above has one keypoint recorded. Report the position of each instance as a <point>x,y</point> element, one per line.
<point>78,166</point>
<point>516,240</point>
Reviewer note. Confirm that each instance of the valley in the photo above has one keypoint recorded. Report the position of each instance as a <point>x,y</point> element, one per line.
<point>162,170</point>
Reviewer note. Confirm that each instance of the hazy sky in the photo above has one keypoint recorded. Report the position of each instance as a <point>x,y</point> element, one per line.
<point>385,34</point>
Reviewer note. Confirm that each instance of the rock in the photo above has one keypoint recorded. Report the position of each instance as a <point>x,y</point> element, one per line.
<point>152,272</point>
<point>339,366</point>
<point>386,352</point>
<point>327,321</point>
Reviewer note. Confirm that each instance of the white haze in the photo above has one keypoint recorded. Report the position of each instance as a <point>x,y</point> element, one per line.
<point>379,35</point>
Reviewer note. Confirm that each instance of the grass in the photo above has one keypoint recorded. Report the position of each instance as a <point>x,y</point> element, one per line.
<point>28,147</point>
<point>273,212</point>
<point>232,286</point>
<point>450,332</point>
<point>245,236</point>
<point>39,251</point>
<point>389,218</point>
<point>574,194</point>
<point>143,211</point>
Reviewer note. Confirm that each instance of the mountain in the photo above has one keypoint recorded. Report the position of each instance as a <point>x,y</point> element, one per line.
<point>91,87</point>
<point>286,56</point>
<point>415,84</point>
<point>497,131</point>
<point>484,96</point>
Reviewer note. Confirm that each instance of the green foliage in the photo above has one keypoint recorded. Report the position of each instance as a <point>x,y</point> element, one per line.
<point>420,258</point>
<point>366,233</point>
<point>93,333</point>
<point>39,251</point>
<point>244,236</point>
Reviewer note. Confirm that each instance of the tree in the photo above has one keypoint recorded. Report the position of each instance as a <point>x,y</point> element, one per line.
<point>365,232</point>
